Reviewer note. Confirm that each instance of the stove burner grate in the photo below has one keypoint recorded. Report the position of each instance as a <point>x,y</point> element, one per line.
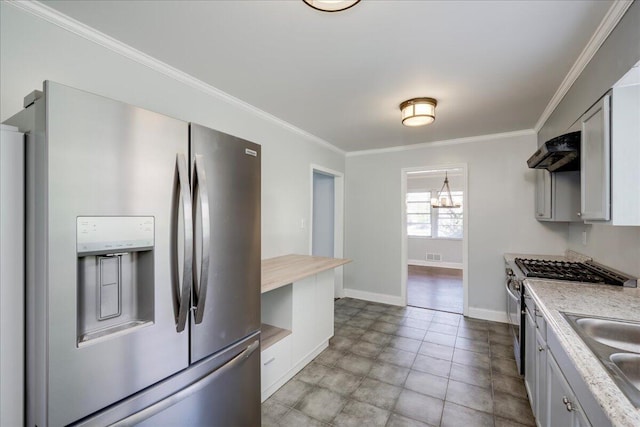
<point>567,270</point>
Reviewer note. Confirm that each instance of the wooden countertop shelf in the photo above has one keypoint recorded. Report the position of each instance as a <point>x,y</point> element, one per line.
<point>282,270</point>
<point>270,335</point>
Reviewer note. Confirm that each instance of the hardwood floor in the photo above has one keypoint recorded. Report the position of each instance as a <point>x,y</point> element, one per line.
<point>435,288</point>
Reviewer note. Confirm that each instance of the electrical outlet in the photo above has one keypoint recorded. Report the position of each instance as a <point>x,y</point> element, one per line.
<point>584,238</point>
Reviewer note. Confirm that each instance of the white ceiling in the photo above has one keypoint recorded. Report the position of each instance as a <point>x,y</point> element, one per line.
<point>493,66</point>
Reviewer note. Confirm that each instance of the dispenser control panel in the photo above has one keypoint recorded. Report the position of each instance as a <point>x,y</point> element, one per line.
<point>105,234</point>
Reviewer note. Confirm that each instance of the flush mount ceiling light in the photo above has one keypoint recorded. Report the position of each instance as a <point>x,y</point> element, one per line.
<point>418,111</point>
<point>331,5</point>
<point>444,199</point>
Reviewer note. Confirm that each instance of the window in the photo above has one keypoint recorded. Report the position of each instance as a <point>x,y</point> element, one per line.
<point>425,221</point>
<point>419,214</point>
<point>448,221</point>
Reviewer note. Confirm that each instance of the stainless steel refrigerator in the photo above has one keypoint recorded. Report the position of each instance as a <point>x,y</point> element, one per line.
<point>143,266</point>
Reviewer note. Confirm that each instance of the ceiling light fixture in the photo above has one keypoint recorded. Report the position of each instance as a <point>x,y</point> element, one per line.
<point>418,111</point>
<point>331,5</point>
<point>444,199</point>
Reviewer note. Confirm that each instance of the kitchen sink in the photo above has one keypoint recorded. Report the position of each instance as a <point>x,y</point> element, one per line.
<point>613,333</point>
<point>616,344</point>
<point>629,365</point>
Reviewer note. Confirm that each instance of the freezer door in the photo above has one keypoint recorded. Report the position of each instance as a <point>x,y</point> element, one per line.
<point>221,390</point>
<point>226,204</point>
<point>102,320</point>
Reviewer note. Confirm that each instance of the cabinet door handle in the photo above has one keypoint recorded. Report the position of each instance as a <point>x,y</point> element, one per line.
<point>269,361</point>
<point>579,214</point>
<point>540,348</point>
<point>567,403</point>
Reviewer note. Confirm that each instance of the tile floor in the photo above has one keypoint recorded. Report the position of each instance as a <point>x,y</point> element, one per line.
<point>434,288</point>
<point>395,366</point>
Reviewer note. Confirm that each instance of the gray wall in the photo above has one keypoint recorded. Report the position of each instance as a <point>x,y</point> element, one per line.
<point>449,249</point>
<point>32,50</point>
<point>619,52</point>
<point>618,247</point>
<point>499,211</point>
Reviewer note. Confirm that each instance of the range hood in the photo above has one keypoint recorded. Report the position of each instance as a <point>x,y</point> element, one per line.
<point>559,154</point>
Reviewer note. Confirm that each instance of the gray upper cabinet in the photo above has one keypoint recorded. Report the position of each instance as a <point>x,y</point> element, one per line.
<point>610,158</point>
<point>543,194</point>
<point>557,196</point>
<point>595,162</point>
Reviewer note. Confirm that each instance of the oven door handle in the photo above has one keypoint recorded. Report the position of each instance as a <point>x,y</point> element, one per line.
<point>511,294</point>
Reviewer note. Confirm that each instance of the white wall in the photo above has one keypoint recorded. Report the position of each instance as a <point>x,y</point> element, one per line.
<point>500,212</point>
<point>417,247</point>
<point>32,50</point>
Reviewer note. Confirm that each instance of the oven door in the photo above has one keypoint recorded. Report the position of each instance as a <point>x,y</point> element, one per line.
<point>514,314</point>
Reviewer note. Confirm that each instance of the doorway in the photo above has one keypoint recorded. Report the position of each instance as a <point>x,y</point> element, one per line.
<point>434,234</point>
<point>327,218</point>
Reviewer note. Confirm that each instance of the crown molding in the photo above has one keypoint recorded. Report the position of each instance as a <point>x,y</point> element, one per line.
<point>65,22</point>
<point>443,143</point>
<point>608,23</point>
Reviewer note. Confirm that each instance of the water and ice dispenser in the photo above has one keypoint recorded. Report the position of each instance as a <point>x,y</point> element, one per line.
<point>115,275</point>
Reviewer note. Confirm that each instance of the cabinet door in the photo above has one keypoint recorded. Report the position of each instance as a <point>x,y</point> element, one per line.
<point>530,358</point>
<point>595,162</point>
<point>541,380</point>
<point>543,194</point>
<point>563,407</point>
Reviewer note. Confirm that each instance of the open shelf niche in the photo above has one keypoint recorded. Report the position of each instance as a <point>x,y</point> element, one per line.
<point>276,316</point>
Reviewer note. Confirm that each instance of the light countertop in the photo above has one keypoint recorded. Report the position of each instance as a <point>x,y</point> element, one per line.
<point>553,297</point>
<point>282,270</point>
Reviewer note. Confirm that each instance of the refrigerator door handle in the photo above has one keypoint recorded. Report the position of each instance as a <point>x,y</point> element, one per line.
<point>184,290</point>
<point>167,402</point>
<point>200,192</point>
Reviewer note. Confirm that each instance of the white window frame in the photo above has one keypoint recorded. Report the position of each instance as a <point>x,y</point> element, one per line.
<point>429,212</point>
<point>434,216</point>
<point>458,197</point>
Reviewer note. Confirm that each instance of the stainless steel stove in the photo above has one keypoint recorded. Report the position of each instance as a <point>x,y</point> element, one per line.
<point>568,271</point>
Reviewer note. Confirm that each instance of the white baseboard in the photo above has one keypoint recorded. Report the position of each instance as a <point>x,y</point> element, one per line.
<point>441,264</point>
<point>484,314</point>
<point>373,297</point>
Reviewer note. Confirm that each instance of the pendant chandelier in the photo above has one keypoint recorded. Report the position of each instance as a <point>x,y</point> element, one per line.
<point>444,199</point>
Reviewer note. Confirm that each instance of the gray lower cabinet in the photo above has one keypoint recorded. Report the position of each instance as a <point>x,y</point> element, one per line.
<point>563,406</point>
<point>535,366</point>
<point>529,357</point>
<point>558,395</point>
<point>541,351</point>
